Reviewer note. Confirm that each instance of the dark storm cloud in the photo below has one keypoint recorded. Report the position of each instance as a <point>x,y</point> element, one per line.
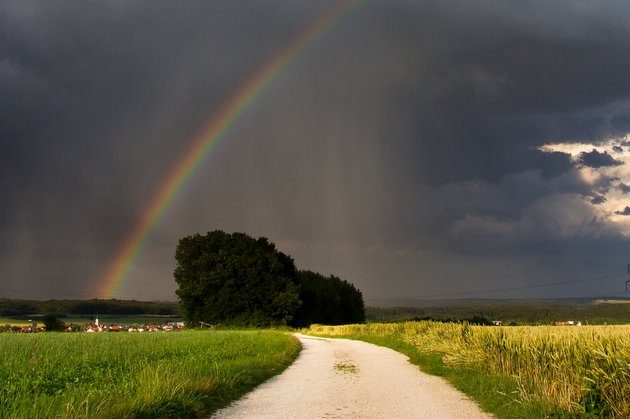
<point>596,159</point>
<point>409,132</point>
<point>598,199</point>
<point>97,102</point>
<point>495,82</point>
<point>624,188</point>
<point>625,211</point>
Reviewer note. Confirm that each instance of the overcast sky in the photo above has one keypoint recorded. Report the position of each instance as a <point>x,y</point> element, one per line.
<point>418,149</point>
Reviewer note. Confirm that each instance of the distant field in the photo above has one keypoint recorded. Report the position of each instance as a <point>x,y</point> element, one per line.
<point>519,371</point>
<point>611,302</point>
<point>14,321</point>
<point>135,375</point>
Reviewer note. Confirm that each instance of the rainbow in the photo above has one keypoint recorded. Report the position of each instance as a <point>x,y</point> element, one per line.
<point>216,130</point>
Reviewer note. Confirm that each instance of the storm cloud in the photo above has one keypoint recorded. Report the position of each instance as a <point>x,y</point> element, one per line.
<point>401,151</point>
<point>596,159</point>
<point>625,211</point>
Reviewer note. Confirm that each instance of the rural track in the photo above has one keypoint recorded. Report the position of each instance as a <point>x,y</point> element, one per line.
<point>342,378</point>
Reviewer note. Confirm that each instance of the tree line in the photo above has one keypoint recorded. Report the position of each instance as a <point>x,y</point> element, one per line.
<point>14,307</point>
<point>237,279</point>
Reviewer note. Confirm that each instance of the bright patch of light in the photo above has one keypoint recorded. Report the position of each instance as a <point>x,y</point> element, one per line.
<point>590,175</point>
<point>610,182</point>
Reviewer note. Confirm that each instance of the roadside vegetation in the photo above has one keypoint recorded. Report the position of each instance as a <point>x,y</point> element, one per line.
<point>186,374</point>
<point>526,371</point>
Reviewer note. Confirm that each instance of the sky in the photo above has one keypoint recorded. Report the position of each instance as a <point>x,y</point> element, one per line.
<point>434,149</point>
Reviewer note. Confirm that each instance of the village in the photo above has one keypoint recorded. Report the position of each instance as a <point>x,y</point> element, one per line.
<point>97,327</point>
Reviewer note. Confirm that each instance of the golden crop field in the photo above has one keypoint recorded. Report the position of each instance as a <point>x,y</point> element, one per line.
<point>573,370</point>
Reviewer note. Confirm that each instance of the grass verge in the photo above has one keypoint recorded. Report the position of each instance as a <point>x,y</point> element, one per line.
<point>185,374</point>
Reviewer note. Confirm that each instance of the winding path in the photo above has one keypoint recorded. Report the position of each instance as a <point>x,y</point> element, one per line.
<point>341,378</point>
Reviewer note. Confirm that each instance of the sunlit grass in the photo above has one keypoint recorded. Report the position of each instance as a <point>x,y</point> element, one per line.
<point>542,369</point>
<point>135,375</point>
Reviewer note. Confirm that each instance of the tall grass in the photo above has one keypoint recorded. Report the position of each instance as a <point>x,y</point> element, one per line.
<point>572,370</point>
<point>135,375</point>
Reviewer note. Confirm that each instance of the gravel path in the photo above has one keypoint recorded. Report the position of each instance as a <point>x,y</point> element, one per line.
<point>341,378</point>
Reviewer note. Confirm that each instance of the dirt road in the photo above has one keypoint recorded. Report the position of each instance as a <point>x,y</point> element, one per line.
<point>340,378</point>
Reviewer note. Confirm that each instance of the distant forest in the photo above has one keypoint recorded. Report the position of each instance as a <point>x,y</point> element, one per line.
<point>520,312</point>
<point>9,307</point>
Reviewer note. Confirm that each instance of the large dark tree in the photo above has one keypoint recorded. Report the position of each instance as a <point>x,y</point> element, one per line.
<point>328,300</point>
<point>235,279</point>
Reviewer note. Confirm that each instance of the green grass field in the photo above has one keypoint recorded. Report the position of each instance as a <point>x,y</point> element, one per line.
<point>189,374</point>
<point>523,371</point>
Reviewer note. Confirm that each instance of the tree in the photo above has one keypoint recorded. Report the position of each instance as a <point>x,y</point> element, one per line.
<point>53,324</point>
<point>328,300</point>
<point>480,321</point>
<point>235,279</point>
